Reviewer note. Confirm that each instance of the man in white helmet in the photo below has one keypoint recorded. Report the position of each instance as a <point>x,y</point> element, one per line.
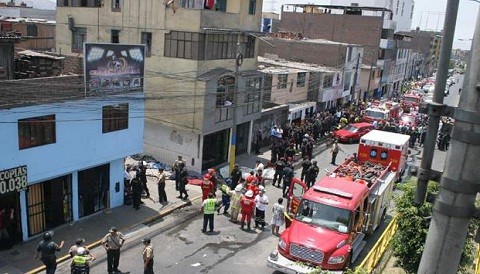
<point>80,262</point>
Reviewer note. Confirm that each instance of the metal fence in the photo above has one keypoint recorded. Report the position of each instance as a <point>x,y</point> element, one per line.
<point>376,253</point>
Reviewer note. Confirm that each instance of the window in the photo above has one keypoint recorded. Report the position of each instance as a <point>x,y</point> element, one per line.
<point>347,81</point>
<point>398,4</point>
<point>267,88</point>
<point>282,81</point>
<point>221,46</point>
<point>249,49</point>
<point>37,131</point>
<point>115,36</point>
<point>221,5</point>
<point>301,78</point>
<point>114,118</point>
<point>198,46</point>
<point>349,53</point>
<point>252,6</point>
<point>187,45</point>
<point>403,8</point>
<point>116,5</point>
<point>188,4</point>
<point>253,88</point>
<point>328,81</point>
<point>225,88</point>
<point>32,30</point>
<point>79,36</point>
<point>146,39</point>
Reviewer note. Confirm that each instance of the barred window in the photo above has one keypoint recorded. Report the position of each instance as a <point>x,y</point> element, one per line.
<point>282,81</point>
<point>225,89</point>
<point>79,36</point>
<point>301,79</point>
<point>328,81</point>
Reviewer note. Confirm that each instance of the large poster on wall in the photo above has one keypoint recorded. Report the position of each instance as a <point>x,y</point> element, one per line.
<point>13,180</point>
<point>113,68</point>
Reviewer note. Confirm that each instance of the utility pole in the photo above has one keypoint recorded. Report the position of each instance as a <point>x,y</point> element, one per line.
<point>233,139</point>
<point>454,205</point>
<point>355,80</point>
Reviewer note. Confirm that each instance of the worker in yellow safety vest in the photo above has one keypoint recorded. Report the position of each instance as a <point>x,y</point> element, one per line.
<point>80,262</point>
<point>208,208</point>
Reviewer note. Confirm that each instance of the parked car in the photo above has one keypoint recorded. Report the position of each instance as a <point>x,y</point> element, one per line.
<point>352,132</point>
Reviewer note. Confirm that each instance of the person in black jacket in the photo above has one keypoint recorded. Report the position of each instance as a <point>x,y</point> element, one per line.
<point>235,176</point>
<point>142,175</point>
<point>137,192</point>
<point>279,166</point>
<point>183,181</point>
<point>47,249</point>
<point>288,174</point>
<point>305,165</point>
<point>311,175</point>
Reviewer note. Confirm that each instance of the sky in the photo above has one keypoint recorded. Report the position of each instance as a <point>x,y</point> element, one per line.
<point>428,14</point>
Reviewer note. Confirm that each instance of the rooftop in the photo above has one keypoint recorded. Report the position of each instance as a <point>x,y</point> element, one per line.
<point>281,66</point>
<point>339,7</point>
<point>312,41</point>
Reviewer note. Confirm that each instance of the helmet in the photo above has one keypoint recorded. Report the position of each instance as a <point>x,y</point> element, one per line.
<point>207,176</point>
<point>48,235</point>
<point>314,162</point>
<point>249,194</point>
<point>261,188</point>
<point>81,251</point>
<point>239,187</point>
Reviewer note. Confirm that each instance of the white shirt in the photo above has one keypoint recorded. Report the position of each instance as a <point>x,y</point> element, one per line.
<point>261,202</point>
<point>127,176</point>
<point>259,166</point>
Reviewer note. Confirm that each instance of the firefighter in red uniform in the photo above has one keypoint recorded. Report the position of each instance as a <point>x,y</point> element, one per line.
<point>213,178</point>
<point>207,186</point>
<point>248,205</point>
<point>251,178</point>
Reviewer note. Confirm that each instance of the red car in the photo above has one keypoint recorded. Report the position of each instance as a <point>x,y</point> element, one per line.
<point>352,132</point>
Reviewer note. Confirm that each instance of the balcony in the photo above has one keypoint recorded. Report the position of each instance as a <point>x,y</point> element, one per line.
<point>189,19</point>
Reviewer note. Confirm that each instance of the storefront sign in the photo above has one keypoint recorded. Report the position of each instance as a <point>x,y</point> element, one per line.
<point>13,180</point>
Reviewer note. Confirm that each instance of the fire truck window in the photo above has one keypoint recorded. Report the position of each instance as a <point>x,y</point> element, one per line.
<point>297,190</point>
<point>373,153</point>
<point>384,155</point>
<point>357,217</point>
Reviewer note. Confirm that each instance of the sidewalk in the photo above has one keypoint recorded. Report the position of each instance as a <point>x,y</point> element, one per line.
<point>20,258</point>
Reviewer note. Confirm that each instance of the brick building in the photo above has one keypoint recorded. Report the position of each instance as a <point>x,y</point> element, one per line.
<point>370,27</point>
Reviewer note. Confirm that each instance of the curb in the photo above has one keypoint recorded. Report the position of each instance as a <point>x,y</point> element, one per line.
<point>145,222</point>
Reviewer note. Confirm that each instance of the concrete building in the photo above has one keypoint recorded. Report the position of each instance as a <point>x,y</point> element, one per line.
<point>370,27</point>
<point>339,56</point>
<point>37,34</point>
<point>191,61</point>
<point>63,151</point>
<point>427,44</point>
<point>24,11</point>
<point>402,10</point>
<point>296,83</point>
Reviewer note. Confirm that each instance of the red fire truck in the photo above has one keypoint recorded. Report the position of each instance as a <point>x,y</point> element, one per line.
<point>332,218</point>
<point>411,100</point>
<point>384,110</point>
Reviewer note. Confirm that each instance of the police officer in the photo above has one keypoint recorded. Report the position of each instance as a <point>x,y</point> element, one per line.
<point>137,192</point>
<point>147,254</point>
<point>47,249</point>
<point>305,165</point>
<point>288,174</point>
<point>208,208</point>
<point>142,174</point>
<point>311,175</point>
<point>279,166</point>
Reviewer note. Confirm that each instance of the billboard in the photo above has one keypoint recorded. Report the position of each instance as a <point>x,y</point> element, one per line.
<point>113,68</point>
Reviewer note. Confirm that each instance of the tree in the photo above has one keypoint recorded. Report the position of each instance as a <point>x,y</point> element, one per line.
<point>408,242</point>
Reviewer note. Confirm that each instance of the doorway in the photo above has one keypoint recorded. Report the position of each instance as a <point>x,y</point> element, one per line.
<point>10,222</point>
<point>215,149</point>
<point>243,131</point>
<point>49,204</point>
<point>93,188</point>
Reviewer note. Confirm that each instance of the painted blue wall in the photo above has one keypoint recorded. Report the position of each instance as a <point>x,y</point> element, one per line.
<point>80,144</point>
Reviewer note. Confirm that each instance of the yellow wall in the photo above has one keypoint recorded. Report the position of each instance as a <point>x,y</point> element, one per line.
<point>169,84</point>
